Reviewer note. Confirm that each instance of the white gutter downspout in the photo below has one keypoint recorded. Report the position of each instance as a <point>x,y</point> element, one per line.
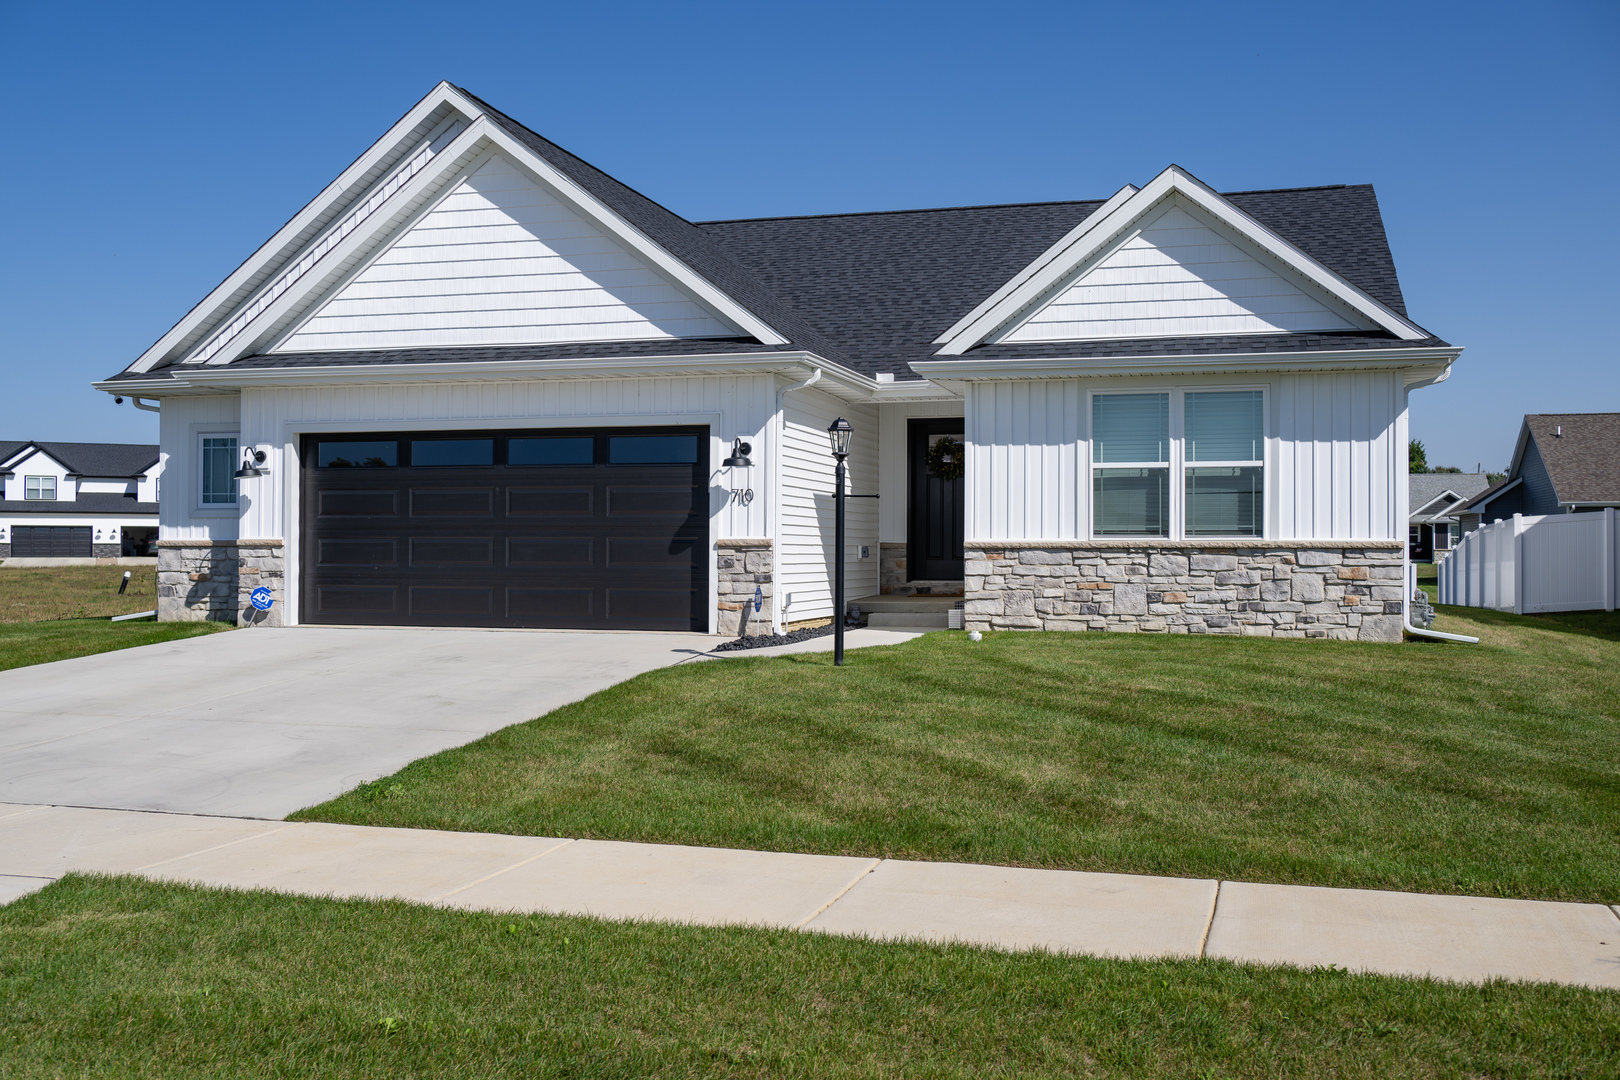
<point>1409,575</point>
<point>779,439</point>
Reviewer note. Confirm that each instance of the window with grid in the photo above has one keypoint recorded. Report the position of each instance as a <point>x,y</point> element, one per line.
<point>39,487</point>
<point>218,465</point>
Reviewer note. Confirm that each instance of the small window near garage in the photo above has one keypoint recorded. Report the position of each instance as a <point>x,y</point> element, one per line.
<point>39,487</point>
<point>437,453</point>
<point>652,449</point>
<point>218,465</point>
<point>558,451</point>
<point>360,454</point>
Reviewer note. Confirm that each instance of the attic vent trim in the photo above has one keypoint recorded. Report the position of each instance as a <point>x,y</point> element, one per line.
<point>289,277</point>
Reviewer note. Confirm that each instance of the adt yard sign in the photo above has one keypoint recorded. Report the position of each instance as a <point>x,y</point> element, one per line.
<point>261,598</point>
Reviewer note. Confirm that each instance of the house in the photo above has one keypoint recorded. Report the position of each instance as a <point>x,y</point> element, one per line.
<point>1432,526</point>
<point>78,501</point>
<point>478,382</point>
<point>1563,463</point>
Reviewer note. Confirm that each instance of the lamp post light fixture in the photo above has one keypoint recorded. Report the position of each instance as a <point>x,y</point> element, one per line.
<point>838,434</point>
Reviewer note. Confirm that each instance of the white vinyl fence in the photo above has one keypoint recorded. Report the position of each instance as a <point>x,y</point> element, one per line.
<point>1557,562</point>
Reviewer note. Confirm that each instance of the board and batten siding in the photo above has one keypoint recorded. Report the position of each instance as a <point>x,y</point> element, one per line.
<point>804,556</point>
<point>1335,452</point>
<point>182,422</point>
<point>1176,276</point>
<point>500,260</point>
<point>894,447</point>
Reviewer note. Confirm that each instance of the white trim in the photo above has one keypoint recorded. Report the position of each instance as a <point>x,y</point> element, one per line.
<point>1420,361</point>
<point>199,437</point>
<point>1103,229</point>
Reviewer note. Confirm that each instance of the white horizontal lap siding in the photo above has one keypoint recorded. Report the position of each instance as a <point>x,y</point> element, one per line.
<point>805,530</point>
<point>1024,460</point>
<point>894,476</point>
<point>500,260</point>
<point>1177,276</point>
<point>742,404</point>
<point>1339,468</point>
<point>181,423</point>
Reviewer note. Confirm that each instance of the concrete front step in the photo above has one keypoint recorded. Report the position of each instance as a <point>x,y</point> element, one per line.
<point>912,604</point>
<point>908,620</point>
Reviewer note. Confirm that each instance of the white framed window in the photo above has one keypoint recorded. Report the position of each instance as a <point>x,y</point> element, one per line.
<point>1179,463</point>
<point>39,487</point>
<point>217,457</point>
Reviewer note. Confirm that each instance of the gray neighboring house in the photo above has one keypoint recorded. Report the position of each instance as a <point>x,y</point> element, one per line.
<point>1435,498</point>
<point>1563,463</point>
<point>78,502</point>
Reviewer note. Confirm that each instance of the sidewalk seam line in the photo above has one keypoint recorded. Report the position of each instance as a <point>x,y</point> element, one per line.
<point>498,873</point>
<point>20,813</point>
<point>1209,924</point>
<point>216,847</point>
<point>802,923</point>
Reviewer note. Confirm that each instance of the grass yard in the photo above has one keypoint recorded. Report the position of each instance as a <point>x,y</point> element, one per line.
<point>38,593</point>
<point>22,644</point>
<point>1490,769</point>
<point>121,977</point>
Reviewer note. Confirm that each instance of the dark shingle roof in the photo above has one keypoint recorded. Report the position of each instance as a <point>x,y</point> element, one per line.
<point>1424,488</point>
<point>96,459</point>
<point>1584,462</point>
<point>94,502</point>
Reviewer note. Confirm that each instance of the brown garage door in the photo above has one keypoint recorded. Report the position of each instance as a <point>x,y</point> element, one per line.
<point>567,529</point>
<point>50,542</point>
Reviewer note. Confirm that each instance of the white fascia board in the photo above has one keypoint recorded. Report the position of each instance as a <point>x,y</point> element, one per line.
<point>316,282</point>
<point>635,239</point>
<point>1519,447</point>
<point>1454,498</point>
<point>1104,227</point>
<point>254,264</point>
<point>1426,363</point>
<point>1046,269</point>
<point>914,390</point>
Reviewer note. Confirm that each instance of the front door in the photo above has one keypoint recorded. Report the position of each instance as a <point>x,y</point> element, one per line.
<point>934,538</point>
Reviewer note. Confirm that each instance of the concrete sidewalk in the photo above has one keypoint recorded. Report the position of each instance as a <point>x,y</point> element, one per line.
<point>1460,938</point>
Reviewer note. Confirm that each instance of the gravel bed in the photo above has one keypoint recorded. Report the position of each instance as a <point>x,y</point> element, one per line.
<point>765,641</point>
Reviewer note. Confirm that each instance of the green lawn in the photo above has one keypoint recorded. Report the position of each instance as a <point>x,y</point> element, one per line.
<point>119,977</point>
<point>22,644</point>
<point>38,593</point>
<point>1487,769</point>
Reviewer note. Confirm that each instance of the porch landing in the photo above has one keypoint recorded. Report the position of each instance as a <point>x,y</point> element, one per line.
<point>906,612</point>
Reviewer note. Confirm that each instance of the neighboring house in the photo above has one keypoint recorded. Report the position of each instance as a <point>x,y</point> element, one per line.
<point>1434,499</point>
<point>78,500</point>
<point>494,386</point>
<point>1563,463</point>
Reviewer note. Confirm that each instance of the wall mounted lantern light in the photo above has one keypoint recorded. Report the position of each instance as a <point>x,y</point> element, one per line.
<point>252,464</point>
<point>739,458</point>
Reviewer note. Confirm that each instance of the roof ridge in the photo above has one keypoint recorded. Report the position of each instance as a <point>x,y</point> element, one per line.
<point>910,210</point>
<point>1284,190</point>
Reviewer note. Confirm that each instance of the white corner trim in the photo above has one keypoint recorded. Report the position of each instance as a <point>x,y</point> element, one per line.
<point>1107,225</point>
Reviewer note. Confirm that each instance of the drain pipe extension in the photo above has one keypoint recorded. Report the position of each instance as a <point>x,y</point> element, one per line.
<point>780,440</point>
<point>1409,575</point>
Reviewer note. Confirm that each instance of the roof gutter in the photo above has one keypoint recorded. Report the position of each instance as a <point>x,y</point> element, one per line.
<point>1080,367</point>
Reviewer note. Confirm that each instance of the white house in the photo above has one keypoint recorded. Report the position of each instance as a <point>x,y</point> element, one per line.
<point>78,501</point>
<point>477,381</point>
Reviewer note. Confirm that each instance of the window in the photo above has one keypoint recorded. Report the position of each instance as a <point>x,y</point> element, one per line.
<point>39,487</point>
<point>1225,490</point>
<point>1214,440</point>
<point>218,465</point>
<point>357,454</point>
<point>1130,434</point>
<point>652,449</point>
<point>555,451</point>
<point>432,453</point>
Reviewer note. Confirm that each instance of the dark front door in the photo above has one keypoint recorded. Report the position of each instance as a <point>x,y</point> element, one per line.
<point>51,541</point>
<point>566,529</point>
<point>934,541</point>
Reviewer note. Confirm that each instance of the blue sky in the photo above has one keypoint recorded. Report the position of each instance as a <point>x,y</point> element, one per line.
<point>152,147</point>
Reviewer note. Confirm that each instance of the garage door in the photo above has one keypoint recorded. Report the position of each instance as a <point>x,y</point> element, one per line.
<point>50,541</point>
<point>566,529</point>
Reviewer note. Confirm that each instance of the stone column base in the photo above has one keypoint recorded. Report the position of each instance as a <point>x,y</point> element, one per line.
<point>1342,591</point>
<point>744,566</point>
<point>211,580</point>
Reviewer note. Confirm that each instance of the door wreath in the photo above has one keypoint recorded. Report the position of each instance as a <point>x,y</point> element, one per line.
<point>945,459</point>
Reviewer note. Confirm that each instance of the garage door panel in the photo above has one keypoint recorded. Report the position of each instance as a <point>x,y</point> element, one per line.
<point>356,551</point>
<point>452,502</point>
<point>452,551</point>
<point>542,529</point>
<point>338,502</point>
<point>577,552</point>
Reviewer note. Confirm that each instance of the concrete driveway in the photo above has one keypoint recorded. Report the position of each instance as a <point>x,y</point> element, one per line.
<point>262,722</point>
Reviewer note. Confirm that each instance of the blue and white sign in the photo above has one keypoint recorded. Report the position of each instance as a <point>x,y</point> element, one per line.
<point>261,598</point>
<point>759,599</point>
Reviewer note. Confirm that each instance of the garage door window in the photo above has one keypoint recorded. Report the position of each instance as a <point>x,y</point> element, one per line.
<point>372,454</point>
<point>652,450</point>
<point>562,451</point>
<point>433,453</point>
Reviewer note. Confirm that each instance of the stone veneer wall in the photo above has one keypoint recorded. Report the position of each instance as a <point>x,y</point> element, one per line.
<point>892,580</point>
<point>1317,589</point>
<point>106,551</point>
<point>210,580</point>
<point>743,566</point>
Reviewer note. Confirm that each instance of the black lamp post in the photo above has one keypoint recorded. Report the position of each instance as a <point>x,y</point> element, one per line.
<point>838,434</point>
